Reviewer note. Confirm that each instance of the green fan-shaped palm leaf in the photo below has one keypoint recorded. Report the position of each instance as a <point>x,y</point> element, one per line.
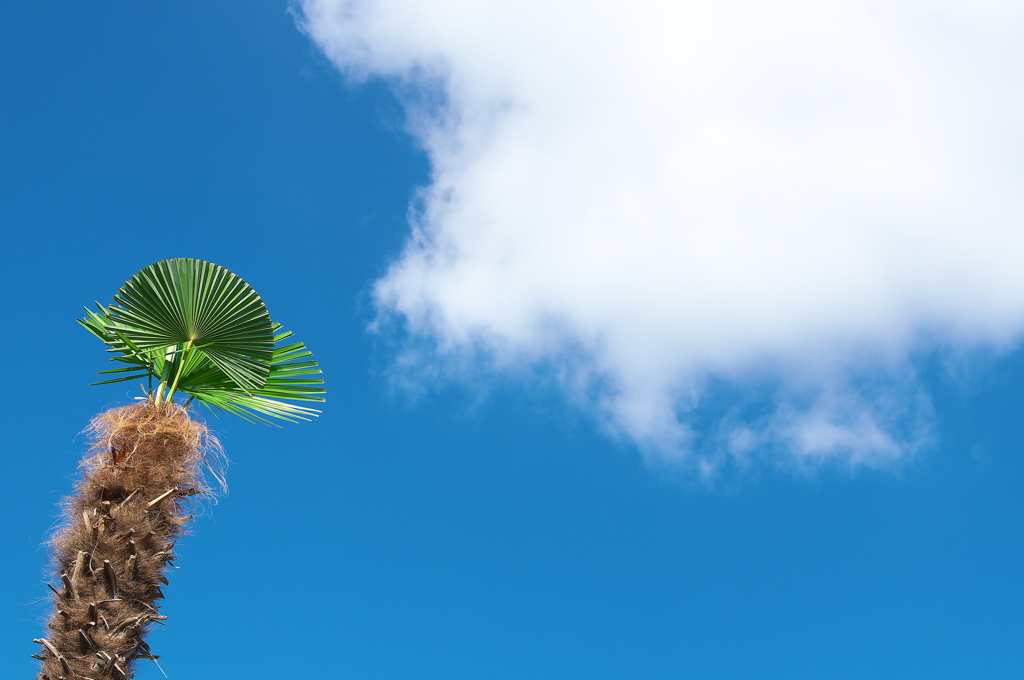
<point>201,306</point>
<point>200,330</point>
<point>286,380</point>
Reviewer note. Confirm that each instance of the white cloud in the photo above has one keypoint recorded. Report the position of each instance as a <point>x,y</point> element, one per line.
<point>664,204</point>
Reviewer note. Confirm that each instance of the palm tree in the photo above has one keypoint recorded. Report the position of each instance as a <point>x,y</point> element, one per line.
<point>195,332</point>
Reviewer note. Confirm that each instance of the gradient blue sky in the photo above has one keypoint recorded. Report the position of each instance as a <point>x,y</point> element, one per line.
<point>485,528</point>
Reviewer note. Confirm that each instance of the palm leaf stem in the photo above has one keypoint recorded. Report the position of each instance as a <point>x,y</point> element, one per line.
<point>181,361</point>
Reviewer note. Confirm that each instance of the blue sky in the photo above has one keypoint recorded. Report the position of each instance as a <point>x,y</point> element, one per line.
<point>808,468</point>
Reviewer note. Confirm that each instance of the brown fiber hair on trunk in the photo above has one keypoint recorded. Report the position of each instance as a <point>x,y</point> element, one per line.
<point>118,535</point>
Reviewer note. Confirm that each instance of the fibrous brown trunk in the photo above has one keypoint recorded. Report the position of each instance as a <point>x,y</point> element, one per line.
<point>118,538</point>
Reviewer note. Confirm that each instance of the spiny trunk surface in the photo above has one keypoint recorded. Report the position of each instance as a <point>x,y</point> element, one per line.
<point>118,538</point>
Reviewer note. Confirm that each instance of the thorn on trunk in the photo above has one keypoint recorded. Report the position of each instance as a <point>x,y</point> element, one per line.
<point>57,655</point>
<point>79,565</point>
<point>162,496</point>
<point>111,578</point>
<point>70,592</point>
<point>127,498</point>
<point>88,523</point>
<point>87,639</point>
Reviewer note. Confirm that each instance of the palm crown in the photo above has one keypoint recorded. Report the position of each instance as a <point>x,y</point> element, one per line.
<point>198,329</point>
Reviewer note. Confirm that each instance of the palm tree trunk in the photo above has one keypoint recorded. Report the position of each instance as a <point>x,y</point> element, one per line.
<point>118,538</point>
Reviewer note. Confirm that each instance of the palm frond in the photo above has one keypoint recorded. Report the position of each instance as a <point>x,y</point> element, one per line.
<point>199,304</point>
<point>200,330</point>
